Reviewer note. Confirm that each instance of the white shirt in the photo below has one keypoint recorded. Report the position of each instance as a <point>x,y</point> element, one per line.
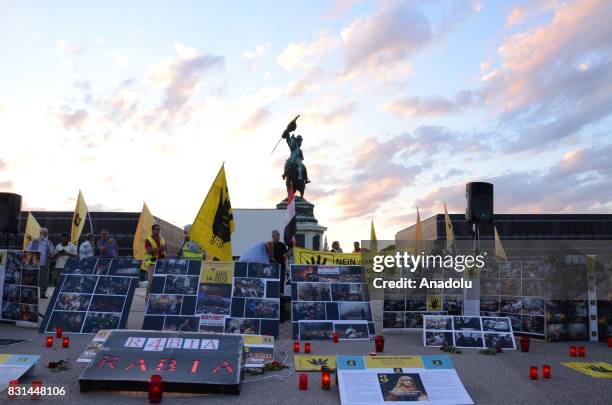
<point>60,262</point>
<point>86,250</point>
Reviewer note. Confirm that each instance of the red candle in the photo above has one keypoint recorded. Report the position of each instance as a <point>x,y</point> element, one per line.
<point>379,343</point>
<point>58,332</point>
<point>581,351</point>
<point>296,347</point>
<point>325,380</point>
<point>156,389</point>
<point>546,371</point>
<point>49,341</point>
<point>610,342</point>
<point>524,344</point>
<point>303,381</point>
<point>65,342</point>
<point>12,388</point>
<point>573,351</point>
<point>336,337</point>
<point>533,372</point>
<point>306,347</point>
<point>36,388</point>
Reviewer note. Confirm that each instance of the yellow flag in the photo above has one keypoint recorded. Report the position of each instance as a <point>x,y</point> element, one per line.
<point>213,226</point>
<point>500,253</point>
<point>450,234</point>
<point>373,240</point>
<point>418,234</point>
<point>78,219</point>
<point>32,231</point>
<point>143,230</point>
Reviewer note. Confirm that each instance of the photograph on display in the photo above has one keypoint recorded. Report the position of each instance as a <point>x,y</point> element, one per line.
<point>402,387</point>
<point>29,277</point>
<point>79,284</point>
<point>535,269</point>
<point>394,320</point>
<point>249,287</point>
<point>113,286</point>
<point>19,287</point>
<point>124,266</point>
<point>509,286</point>
<point>439,339</point>
<point>414,320</point>
<point>309,311</point>
<point>347,292</point>
<point>496,324</point>
<point>28,313</point>
<point>314,291</point>
<point>417,303</point>
<point>316,330</point>
<point>466,323</point>
<point>511,305</point>
<point>262,308</point>
<point>171,266</point>
<point>499,340</point>
<point>439,322</point>
<point>304,273</point>
<point>453,305</point>
<point>181,323</point>
<point>260,270</point>
<point>394,305</point>
<point>107,303</point>
<point>468,339</point>
<point>214,299</point>
<point>352,330</point>
<point>489,287</point>
<point>352,274</point>
<point>72,302</point>
<point>159,304</point>
<point>70,322</point>
<point>243,326</point>
<point>532,324</point>
<point>489,304</point>
<point>354,311</point>
<point>510,269</point>
<point>185,285</point>
<point>96,321</point>
<point>533,306</point>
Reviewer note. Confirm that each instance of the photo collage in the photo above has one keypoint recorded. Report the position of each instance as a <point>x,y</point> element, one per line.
<point>241,298</point>
<point>330,299</point>
<point>468,332</point>
<point>92,294</point>
<point>19,287</point>
<point>516,289</point>
<point>403,308</point>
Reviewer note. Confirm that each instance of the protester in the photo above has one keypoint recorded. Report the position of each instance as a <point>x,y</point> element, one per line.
<point>278,254</point>
<point>357,248</point>
<point>190,249</point>
<point>45,247</point>
<point>107,246</point>
<point>336,247</point>
<point>155,248</point>
<point>87,248</point>
<point>63,251</point>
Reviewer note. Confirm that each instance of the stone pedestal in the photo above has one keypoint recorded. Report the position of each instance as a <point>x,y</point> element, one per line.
<point>309,232</point>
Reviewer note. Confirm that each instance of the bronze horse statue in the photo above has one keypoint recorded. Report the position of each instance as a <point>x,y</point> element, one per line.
<point>291,177</point>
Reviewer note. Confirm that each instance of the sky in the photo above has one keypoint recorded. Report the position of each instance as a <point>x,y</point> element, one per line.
<point>401,103</point>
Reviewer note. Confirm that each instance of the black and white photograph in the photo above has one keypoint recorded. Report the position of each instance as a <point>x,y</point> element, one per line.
<point>242,326</point>
<point>354,311</point>
<point>468,339</point>
<point>439,322</point>
<point>309,311</point>
<point>347,292</point>
<point>261,308</point>
<point>314,292</point>
<point>467,323</point>
<point>72,302</point>
<point>96,321</point>
<point>495,324</point>
<point>160,304</point>
<point>79,284</point>
<point>214,299</point>
<point>352,330</point>
<point>249,287</point>
<point>316,330</point>
<point>438,339</point>
<point>185,285</point>
<point>501,340</point>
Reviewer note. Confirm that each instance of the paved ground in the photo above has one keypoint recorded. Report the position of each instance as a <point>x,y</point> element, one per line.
<point>500,379</point>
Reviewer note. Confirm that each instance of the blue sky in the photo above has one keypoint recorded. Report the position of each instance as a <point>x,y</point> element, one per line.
<point>402,103</point>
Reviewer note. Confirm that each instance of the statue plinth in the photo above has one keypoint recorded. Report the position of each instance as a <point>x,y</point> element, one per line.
<point>309,232</point>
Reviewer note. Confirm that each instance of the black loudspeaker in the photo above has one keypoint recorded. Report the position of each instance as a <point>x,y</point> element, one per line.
<point>10,209</point>
<point>479,197</point>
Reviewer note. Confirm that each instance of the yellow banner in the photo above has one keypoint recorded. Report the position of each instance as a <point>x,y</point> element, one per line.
<point>595,369</point>
<point>143,230</point>
<point>258,340</point>
<point>307,256</point>
<point>217,272</point>
<point>32,231</point>
<point>394,362</point>
<point>78,219</point>
<point>314,363</point>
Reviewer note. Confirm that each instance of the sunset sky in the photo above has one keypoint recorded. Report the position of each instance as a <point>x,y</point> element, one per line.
<point>402,103</point>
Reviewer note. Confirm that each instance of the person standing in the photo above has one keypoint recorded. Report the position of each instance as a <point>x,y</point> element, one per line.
<point>106,245</point>
<point>278,254</point>
<point>155,248</point>
<point>43,245</point>
<point>357,248</point>
<point>190,249</point>
<point>87,248</point>
<point>336,247</point>
<point>63,251</point>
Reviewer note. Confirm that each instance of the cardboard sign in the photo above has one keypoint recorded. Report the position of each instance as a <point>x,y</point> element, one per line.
<point>594,369</point>
<point>314,363</point>
<point>187,362</point>
<point>19,287</point>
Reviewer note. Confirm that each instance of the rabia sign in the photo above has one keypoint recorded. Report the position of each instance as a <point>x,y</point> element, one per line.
<point>187,362</point>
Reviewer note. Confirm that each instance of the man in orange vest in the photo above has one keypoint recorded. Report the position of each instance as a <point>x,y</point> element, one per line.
<point>155,248</point>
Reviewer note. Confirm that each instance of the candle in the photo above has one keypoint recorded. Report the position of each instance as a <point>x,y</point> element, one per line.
<point>49,341</point>
<point>58,332</point>
<point>533,372</point>
<point>581,351</point>
<point>296,347</point>
<point>524,344</point>
<point>13,388</point>
<point>573,351</point>
<point>325,380</point>
<point>36,388</point>
<point>306,347</point>
<point>303,381</point>
<point>156,389</point>
<point>379,343</point>
<point>336,337</point>
<point>610,342</point>
<point>65,342</point>
<point>546,371</point>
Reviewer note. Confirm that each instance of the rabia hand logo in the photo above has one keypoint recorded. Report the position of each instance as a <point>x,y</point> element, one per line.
<point>318,259</point>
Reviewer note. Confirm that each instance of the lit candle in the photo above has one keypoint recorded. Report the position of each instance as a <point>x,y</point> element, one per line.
<point>533,372</point>
<point>49,341</point>
<point>296,347</point>
<point>336,337</point>
<point>13,384</point>
<point>325,380</point>
<point>36,388</point>
<point>303,381</point>
<point>546,371</point>
<point>58,332</point>
<point>573,351</point>
<point>379,343</point>
<point>610,342</point>
<point>306,347</point>
<point>581,351</point>
<point>156,389</point>
<point>65,342</point>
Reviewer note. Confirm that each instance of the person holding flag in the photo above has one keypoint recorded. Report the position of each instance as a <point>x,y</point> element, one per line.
<point>78,219</point>
<point>190,249</point>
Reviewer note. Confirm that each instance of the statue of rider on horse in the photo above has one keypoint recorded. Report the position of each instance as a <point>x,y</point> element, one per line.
<point>295,171</point>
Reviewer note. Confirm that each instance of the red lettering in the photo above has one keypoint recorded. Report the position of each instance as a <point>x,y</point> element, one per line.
<point>196,364</point>
<point>140,363</point>
<point>224,365</point>
<point>169,364</point>
<point>110,360</point>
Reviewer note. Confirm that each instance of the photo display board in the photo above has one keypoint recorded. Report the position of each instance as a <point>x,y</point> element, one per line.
<point>329,299</point>
<point>399,379</point>
<point>190,295</point>
<point>468,332</point>
<point>403,308</point>
<point>92,294</point>
<point>188,362</point>
<point>14,366</point>
<point>19,271</point>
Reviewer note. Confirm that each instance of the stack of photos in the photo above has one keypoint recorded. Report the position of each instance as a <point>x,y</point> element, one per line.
<point>516,289</point>
<point>172,299</point>
<point>468,332</point>
<point>403,308</point>
<point>92,294</point>
<point>330,299</point>
<point>19,287</point>
<point>183,298</point>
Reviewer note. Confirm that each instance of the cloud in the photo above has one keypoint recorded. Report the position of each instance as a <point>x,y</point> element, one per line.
<point>404,106</point>
<point>63,47</point>
<point>6,185</point>
<point>306,54</point>
<point>336,116</point>
<point>3,165</point>
<point>72,119</point>
<point>340,8</point>
<point>252,57</point>
<point>254,121</point>
<point>305,83</point>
